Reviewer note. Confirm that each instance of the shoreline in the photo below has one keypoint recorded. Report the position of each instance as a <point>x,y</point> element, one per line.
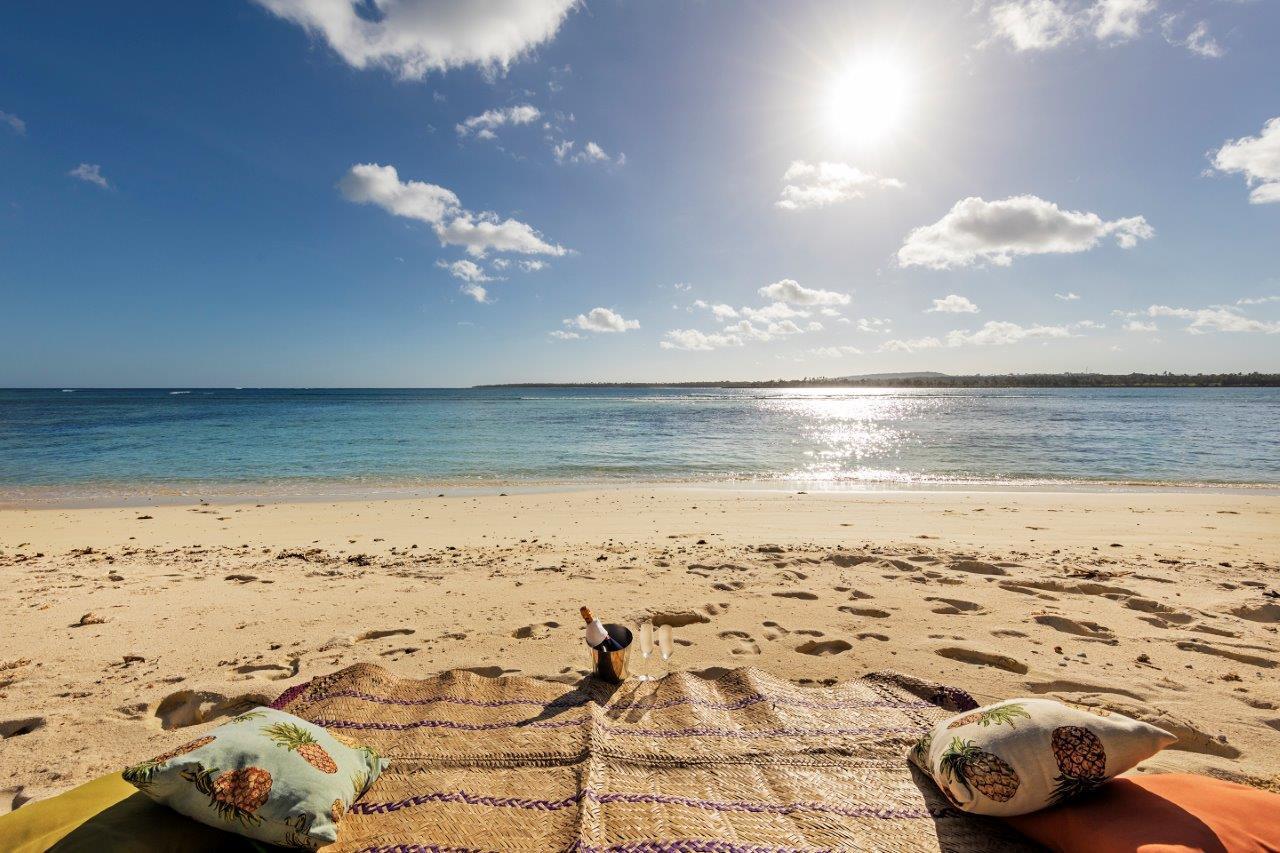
<point>134,495</point>
<point>137,629</point>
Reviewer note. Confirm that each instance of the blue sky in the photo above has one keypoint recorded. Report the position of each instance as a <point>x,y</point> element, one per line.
<point>315,192</point>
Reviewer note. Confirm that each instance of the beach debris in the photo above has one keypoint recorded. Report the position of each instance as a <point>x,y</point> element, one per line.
<point>90,619</point>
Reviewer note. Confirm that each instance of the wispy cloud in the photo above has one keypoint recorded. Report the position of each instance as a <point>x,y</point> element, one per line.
<point>90,173</point>
<point>979,231</point>
<point>1216,318</point>
<point>822,184</point>
<point>484,124</point>
<point>602,320</point>
<point>789,290</point>
<point>14,123</point>
<point>1069,296</point>
<point>1028,25</point>
<point>1196,38</point>
<point>564,152</point>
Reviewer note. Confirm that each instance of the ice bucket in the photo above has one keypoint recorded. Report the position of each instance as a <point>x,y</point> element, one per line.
<point>612,666</point>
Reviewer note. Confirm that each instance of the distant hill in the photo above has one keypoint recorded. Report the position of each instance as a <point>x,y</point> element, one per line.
<point>943,380</point>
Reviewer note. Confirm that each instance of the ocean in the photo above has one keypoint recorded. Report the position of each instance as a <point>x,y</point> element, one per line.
<point>82,443</point>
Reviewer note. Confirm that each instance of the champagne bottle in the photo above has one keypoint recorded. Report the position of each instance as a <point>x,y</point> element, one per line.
<point>597,637</point>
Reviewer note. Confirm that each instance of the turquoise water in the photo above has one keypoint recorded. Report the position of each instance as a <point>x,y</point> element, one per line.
<point>193,441</point>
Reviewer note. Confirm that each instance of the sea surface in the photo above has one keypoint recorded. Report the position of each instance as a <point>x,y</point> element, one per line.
<point>190,441</point>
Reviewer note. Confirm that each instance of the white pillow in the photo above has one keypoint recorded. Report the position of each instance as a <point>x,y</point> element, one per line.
<point>1021,755</point>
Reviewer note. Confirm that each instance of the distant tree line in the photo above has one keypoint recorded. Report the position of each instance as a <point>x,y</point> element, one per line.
<point>1006,380</point>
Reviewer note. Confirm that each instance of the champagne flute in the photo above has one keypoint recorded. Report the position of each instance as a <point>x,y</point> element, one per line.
<point>666,644</point>
<point>645,632</point>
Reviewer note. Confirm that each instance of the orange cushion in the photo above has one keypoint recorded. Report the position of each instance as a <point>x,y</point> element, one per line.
<point>1160,813</point>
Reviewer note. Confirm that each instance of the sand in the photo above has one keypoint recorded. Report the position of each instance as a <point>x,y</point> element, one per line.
<point>127,630</point>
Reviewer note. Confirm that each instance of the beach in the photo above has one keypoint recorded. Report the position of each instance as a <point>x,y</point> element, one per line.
<point>132,627</point>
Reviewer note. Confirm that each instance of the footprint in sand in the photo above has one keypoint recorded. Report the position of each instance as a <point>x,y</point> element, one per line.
<point>1238,657</point>
<point>396,654</point>
<point>20,726</point>
<point>803,596</point>
<point>728,586</point>
<point>774,631</point>
<point>378,635</point>
<point>868,635</point>
<point>981,658</point>
<point>870,612</point>
<point>1065,686</point>
<point>535,632</point>
<point>1085,630</point>
<point>1163,611</point>
<point>824,648</point>
<point>745,645</point>
<point>192,707</point>
<point>1266,613</point>
<point>977,567</point>
<point>954,606</point>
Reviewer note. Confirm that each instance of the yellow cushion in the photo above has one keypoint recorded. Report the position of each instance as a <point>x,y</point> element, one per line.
<point>108,815</point>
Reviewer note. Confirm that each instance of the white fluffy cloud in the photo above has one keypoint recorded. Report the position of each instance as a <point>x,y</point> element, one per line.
<point>1257,158</point>
<point>1045,24</point>
<point>692,339</point>
<point>953,304</point>
<point>980,231</point>
<point>15,124</point>
<point>1139,326</point>
<point>589,153</point>
<point>992,333</point>
<point>414,37</point>
<point>602,320</point>
<point>465,270</point>
<point>476,291</point>
<point>562,335</point>
<point>720,310</point>
<point>835,352</point>
<point>90,173</point>
<point>1069,296</point>
<point>478,233</point>
<point>489,120</point>
<point>822,184</point>
<point>788,290</point>
<point>1217,318</point>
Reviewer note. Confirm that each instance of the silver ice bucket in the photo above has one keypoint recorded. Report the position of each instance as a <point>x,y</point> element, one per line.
<point>612,666</point>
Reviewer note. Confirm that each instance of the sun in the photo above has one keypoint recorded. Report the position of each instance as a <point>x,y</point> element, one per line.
<point>868,100</point>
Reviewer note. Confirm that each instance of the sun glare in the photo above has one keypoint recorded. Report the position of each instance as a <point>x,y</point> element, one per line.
<point>869,100</point>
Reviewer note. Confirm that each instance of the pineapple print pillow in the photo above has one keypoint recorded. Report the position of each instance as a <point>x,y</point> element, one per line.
<point>266,775</point>
<point>1022,755</point>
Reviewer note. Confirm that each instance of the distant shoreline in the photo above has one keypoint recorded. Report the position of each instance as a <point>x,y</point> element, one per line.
<point>941,380</point>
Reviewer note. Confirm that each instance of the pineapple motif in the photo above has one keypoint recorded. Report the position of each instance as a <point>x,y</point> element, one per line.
<point>1082,762</point>
<point>985,771</point>
<point>236,794</point>
<point>142,774</point>
<point>996,716</point>
<point>337,810</point>
<point>295,738</point>
<point>344,740</point>
<point>920,752</point>
<point>359,782</point>
<point>299,833</point>
<point>246,717</point>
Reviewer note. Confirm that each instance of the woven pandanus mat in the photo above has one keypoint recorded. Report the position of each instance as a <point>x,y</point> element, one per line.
<point>744,763</point>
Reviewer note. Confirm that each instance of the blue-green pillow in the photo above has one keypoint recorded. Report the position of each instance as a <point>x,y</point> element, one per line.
<point>266,775</point>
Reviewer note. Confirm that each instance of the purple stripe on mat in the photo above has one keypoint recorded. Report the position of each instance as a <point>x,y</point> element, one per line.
<point>289,695</point>
<point>562,702</point>
<point>467,798</point>
<point>675,845</point>
<point>695,731</point>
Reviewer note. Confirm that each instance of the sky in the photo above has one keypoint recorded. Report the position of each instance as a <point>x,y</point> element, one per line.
<point>446,192</point>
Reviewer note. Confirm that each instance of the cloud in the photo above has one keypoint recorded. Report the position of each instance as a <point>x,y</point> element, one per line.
<point>788,290</point>
<point>1257,158</point>
<point>1217,318</point>
<point>602,320</point>
<point>1257,300</point>
<point>822,184</point>
<point>1198,39</point>
<point>487,121</point>
<point>561,335</point>
<point>532,266</point>
<point>476,292</point>
<point>479,233</point>
<point>835,352</point>
<point>16,124</point>
<point>875,325</point>
<point>720,310</point>
<point>1044,24</point>
<point>1139,326</point>
<point>465,270</point>
<point>692,339</point>
<point>773,311</point>
<point>590,153</point>
<point>1069,296</point>
<point>992,333</point>
<point>980,231</point>
<point>953,304</point>
<point>912,345</point>
<point>414,37</point>
<point>90,173</point>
